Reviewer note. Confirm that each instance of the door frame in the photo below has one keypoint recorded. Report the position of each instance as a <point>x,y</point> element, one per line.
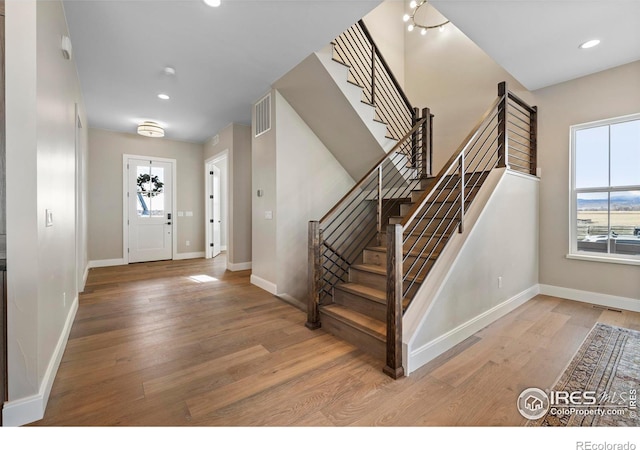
<point>226,212</point>
<point>125,203</point>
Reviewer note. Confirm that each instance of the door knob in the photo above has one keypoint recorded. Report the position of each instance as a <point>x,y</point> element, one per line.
<point>168,223</point>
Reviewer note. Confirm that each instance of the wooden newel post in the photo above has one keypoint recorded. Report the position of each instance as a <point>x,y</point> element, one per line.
<point>503,145</point>
<point>393,366</point>
<point>426,143</point>
<point>313,276</point>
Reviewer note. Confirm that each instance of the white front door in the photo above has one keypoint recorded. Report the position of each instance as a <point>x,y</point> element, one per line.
<point>150,209</point>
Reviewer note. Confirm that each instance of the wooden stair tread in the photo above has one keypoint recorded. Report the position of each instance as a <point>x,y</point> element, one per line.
<point>371,268</point>
<point>366,324</point>
<point>370,293</point>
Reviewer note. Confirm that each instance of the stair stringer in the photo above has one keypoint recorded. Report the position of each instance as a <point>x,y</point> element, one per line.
<point>421,311</point>
<point>319,92</point>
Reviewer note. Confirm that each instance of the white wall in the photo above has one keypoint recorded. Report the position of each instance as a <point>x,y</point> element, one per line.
<point>301,180</point>
<point>42,93</point>
<point>310,181</point>
<point>503,242</point>
<point>105,190</point>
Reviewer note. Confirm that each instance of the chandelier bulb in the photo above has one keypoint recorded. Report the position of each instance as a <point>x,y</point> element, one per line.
<point>423,31</point>
<point>441,28</point>
<point>410,27</point>
<point>406,17</point>
<point>413,4</point>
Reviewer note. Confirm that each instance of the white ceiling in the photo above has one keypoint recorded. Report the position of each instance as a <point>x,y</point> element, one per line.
<point>537,41</point>
<point>227,57</point>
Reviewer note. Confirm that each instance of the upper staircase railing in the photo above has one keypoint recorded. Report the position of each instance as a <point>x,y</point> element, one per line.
<point>368,69</point>
<point>504,137</point>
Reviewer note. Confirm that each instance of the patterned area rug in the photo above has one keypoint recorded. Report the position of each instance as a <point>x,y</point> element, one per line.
<point>606,373</point>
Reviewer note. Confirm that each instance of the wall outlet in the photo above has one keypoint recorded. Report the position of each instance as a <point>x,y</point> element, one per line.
<point>268,215</point>
<point>188,213</point>
<point>499,282</point>
<point>188,243</point>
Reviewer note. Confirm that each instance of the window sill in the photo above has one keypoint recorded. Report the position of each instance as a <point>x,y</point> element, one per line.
<point>605,259</point>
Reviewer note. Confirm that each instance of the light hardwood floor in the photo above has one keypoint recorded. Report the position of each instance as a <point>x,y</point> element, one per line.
<point>188,343</point>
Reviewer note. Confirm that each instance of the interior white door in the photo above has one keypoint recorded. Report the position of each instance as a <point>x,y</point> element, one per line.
<point>150,210</point>
<point>215,208</point>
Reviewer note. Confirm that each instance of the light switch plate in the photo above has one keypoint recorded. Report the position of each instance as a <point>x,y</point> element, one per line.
<point>189,213</point>
<point>48,217</point>
<point>268,215</point>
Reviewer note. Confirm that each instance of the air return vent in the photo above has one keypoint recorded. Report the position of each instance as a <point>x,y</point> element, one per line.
<point>263,115</point>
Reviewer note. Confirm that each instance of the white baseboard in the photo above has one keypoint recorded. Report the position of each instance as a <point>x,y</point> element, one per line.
<point>223,248</point>
<point>84,277</point>
<point>106,263</point>
<point>29,409</point>
<point>234,267</point>
<point>192,255</point>
<point>264,284</point>
<point>595,298</point>
<point>418,357</point>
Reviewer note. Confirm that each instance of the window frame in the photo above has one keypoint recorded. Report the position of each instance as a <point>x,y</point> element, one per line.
<point>574,253</point>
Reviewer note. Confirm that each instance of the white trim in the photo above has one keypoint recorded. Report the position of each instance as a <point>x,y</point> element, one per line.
<point>599,258</point>
<point>235,267</point>
<point>85,275</point>
<point>595,298</point>
<point>192,255</point>
<point>264,284</point>
<point>427,352</point>
<point>293,301</point>
<point>125,202</point>
<point>106,263</point>
<point>223,248</point>
<point>29,409</point>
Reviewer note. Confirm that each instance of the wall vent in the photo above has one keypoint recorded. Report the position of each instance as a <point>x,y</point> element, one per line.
<point>263,115</point>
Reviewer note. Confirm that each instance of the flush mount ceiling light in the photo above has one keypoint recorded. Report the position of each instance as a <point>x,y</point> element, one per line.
<point>214,3</point>
<point>150,129</point>
<point>414,23</point>
<point>590,44</point>
<point>163,97</point>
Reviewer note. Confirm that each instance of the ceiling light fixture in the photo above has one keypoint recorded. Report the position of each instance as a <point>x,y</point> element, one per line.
<point>590,44</point>
<point>170,71</point>
<point>150,129</point>
<point>163,97</point>
<point>214,3</point>
<point>411,18</point>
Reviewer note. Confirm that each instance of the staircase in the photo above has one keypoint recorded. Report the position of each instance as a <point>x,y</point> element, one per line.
<point>371,253</point>
<point>359,310</point>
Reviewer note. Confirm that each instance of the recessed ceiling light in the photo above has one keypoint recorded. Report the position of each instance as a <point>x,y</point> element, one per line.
<point>169,71</point>
<point>214,3</point>
<point>589,44</point>
<point>163,97</point>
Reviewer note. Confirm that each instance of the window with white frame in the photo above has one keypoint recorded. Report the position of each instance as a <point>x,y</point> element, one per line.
<point>605,190</point>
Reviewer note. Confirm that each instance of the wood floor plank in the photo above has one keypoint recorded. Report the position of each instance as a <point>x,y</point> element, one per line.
<point>153,345</point>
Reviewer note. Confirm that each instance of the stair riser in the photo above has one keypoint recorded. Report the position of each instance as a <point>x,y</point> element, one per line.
<point>371,256</point>
<point>378,281</point>
<point>344,331</point>
<point>360,304</point>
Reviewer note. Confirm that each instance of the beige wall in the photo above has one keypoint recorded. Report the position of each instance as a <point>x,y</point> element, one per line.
<point>452,76</point>
<point>105,189</point>
<point>387,30</point>
<point>42,92</point>
<point>235,139</point>
<point>612,93</point>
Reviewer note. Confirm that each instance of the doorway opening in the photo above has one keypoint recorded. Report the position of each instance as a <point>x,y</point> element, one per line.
<point>216,205</point>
